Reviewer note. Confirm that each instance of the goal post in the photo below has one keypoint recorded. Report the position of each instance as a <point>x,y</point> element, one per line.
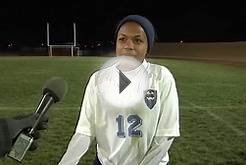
<point>70,48</point>
<point>63,50</point>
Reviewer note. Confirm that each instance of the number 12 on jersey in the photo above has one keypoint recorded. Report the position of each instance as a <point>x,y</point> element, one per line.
<point>134,122</point>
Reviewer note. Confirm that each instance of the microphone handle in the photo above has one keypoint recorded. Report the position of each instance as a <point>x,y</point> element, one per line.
<point>42,103</point>
<point>45,109</point>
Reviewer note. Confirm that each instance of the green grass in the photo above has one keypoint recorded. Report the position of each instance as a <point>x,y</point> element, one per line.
<point>212,107</point>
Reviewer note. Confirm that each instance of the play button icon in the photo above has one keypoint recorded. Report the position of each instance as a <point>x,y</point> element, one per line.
<point>121,82</point>
<point>124,81</point>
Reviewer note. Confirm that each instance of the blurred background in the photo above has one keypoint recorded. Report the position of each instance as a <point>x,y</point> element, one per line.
<point>23,29</point>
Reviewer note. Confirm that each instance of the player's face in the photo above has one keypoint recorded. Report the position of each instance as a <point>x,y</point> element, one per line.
<point>132,41</point>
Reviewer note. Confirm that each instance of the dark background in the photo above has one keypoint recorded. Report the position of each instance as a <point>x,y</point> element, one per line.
<point>24,23</point>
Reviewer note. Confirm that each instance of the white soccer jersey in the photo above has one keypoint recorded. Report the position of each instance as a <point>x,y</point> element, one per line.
<point>124,132</point>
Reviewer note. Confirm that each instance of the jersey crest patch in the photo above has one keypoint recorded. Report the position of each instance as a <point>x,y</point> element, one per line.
<point>150,98</point>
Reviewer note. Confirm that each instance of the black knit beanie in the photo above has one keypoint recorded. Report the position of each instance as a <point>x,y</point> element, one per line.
<point>144,23</point>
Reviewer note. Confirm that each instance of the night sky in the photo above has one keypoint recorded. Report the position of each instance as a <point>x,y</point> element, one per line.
<point>25,23</point>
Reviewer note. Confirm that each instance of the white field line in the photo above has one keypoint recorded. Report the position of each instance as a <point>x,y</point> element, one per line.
<point>212,107</point>
<point>220,119</point>
<point>216,117</point>
<point>76,108</point>
<point>34,108</point>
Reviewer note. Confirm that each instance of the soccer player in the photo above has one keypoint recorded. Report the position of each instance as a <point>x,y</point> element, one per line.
<point>135,134</point>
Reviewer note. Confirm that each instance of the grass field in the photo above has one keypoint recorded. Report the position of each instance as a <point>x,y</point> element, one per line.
<point>212,107</point>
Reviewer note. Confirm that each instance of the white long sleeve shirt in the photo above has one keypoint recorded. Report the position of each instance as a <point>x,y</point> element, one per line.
<point>127,133</point>
<point>80,143</point>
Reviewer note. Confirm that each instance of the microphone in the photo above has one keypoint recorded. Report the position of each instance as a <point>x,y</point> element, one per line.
<point>54,91</point>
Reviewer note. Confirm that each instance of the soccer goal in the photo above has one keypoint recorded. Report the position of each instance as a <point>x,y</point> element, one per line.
<point>68,49</point>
